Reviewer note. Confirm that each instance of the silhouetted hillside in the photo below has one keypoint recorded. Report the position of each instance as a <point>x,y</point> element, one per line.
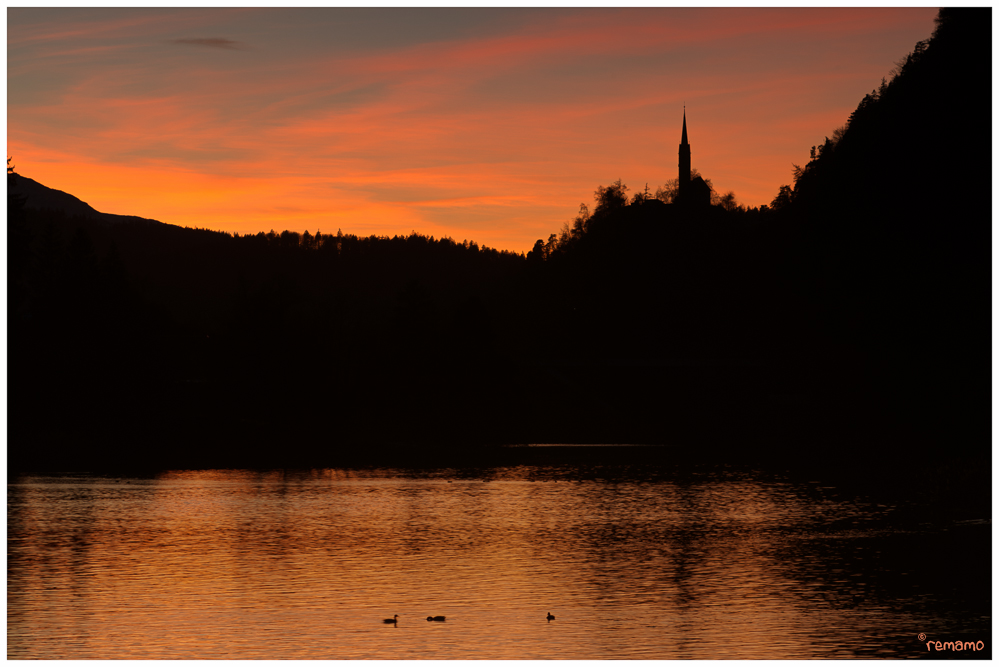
<point>894,215</point>
<point>863,292</point>
<point>847,319</point>
<point>40,197</point>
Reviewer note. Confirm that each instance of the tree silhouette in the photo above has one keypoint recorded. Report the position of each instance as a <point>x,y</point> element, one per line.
<point>610,198</point>
<point>668,191</point>
<point>15,201</point>
<point>783,198</point>
<point>728,202</point>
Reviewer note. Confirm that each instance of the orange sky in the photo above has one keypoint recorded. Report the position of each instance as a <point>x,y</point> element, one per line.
<point>485,124</point>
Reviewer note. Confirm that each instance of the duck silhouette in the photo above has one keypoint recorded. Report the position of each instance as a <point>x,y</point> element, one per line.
<point>550,617</point>
<point>435,618</point>
<point>394,619</point>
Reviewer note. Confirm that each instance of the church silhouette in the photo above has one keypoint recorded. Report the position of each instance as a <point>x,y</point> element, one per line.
<point>691,192</point>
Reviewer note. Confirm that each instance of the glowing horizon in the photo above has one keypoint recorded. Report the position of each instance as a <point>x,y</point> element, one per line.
<point>483,124</point>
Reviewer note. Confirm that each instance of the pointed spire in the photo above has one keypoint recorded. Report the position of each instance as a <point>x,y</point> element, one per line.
<point>684,164</point>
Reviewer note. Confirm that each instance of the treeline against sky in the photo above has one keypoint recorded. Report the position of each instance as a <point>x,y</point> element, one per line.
<point>851,312</point>
<point>180,335</point>
<point>894,214</point>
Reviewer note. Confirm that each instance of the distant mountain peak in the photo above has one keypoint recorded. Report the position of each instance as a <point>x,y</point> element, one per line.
<point>41,197</point>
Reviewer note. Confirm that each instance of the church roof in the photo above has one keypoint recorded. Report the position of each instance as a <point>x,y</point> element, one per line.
<point>683,139</point>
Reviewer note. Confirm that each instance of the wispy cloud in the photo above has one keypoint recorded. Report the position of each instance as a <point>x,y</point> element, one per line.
<point>497,137</point>
<point>211,42</point>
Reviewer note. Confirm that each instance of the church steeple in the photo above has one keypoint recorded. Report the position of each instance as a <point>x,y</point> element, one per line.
<point>684,177</point>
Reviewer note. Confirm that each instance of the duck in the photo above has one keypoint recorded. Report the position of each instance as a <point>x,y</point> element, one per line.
<point>394,619</point>
<point>435,618</point>
<point>550,617</point>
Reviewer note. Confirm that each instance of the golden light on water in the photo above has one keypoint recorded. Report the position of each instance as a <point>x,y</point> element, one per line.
<point>244,565</point>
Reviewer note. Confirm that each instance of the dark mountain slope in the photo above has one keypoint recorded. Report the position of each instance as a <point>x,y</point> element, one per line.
<point>40,197</point>
<point>894,223</point>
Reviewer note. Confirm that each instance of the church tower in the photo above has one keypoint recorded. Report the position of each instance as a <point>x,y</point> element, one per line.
<point>684,178</point>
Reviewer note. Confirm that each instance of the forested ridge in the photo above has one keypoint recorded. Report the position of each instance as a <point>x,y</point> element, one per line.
<point>851,314</point>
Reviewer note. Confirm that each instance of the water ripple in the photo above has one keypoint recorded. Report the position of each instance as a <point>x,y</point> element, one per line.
<point>245,565</point>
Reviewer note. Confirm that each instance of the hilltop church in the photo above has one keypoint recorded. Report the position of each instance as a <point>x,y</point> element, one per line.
<point>692,192</point>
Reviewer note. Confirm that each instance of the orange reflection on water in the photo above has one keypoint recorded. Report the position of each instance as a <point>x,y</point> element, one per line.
<point>236,564</point>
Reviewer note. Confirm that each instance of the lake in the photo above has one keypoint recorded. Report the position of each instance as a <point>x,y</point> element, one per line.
<point>634,562</point>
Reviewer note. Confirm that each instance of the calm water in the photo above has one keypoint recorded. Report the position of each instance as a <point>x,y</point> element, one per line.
<point>707,564</point>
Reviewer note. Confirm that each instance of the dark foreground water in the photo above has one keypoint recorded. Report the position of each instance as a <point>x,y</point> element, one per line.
<point>707,562</point>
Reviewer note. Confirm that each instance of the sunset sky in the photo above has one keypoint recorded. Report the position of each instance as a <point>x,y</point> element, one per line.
<point>490,125</point>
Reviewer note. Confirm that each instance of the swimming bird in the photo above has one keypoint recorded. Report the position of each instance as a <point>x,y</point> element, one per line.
<point>394,619</point>
<point>550,617</point>
<point>435,618</point>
